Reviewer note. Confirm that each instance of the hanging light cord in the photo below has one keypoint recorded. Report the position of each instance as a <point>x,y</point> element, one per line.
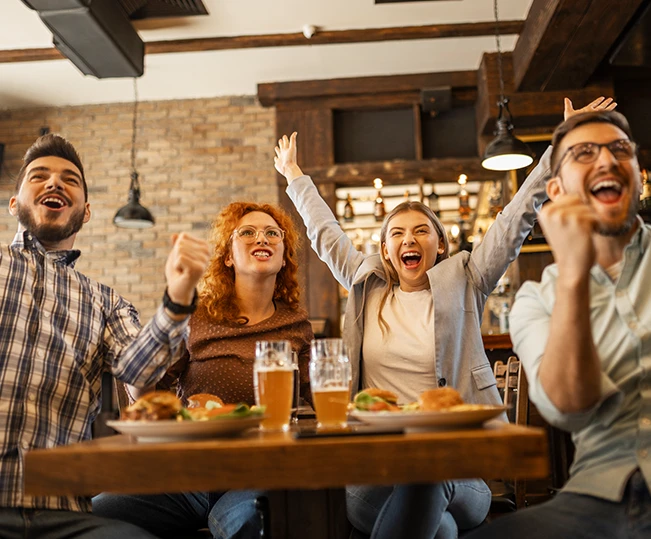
<point>499,50</point>
<point>135,125</point>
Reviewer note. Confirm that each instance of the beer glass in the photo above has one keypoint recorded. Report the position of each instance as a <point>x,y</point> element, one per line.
<point>330,378</point>
<point>273,381</point>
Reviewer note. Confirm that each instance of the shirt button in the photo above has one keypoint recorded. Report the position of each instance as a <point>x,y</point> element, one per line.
<point>24,445</point>
<point>31,396</point>
<point>442,382</point>
<point>39,354</point>
<point>46,315</point>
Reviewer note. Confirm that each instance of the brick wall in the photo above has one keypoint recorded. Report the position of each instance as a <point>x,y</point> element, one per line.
<point>193,157</point>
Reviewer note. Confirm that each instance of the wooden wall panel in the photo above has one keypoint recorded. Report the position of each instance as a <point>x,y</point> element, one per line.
<point>315,148</point>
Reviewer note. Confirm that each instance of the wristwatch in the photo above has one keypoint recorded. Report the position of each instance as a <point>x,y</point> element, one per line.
<point>177,308</point>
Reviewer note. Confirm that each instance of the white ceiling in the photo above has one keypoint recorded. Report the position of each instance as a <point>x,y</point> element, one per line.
<point>237,72</point>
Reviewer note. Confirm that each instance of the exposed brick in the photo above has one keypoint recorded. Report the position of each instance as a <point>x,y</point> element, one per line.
<point>193,157</point>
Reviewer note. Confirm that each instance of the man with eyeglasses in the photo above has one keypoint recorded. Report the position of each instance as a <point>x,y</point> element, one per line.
<point>583,335</point>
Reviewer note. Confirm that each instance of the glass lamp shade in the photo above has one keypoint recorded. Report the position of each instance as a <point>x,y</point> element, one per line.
<point>506,152</point>
<point>133,214</point>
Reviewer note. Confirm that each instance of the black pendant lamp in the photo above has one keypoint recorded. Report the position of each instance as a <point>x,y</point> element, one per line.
<point>505,152</point>
<point>134,214</point>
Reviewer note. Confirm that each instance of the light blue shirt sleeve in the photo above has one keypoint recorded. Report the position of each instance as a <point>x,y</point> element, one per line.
<point>530,319</point>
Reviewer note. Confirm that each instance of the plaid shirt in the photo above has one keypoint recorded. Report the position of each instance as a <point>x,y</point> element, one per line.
<point>58,331</point>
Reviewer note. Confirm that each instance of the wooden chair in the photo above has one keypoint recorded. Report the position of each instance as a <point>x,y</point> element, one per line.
<point>522,412</point>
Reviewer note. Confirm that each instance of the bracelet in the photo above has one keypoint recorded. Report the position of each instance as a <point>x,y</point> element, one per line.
<point>177,308</point>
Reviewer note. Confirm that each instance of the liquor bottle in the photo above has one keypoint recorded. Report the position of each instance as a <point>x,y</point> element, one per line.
<point>434,204</point>
<point>464,204</point>
<point>379,211</point>
<point>504,317</point>
<point>645,199</point>
<point>349,213</point>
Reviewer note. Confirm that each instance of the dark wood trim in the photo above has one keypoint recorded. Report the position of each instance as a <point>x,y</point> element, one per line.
<point>322,37</point>
<point>270,94</point>
<point>29,55</point>
<point>497,342</point>
<point>557,49</point>
<point>402,171</point>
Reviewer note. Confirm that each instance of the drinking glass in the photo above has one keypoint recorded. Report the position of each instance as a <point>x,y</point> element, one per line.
<point>330,379</point>
<point>273,381</point>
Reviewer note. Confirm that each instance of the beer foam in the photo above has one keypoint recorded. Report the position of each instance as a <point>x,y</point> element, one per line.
<point>277,368</point>
<point>330,389</point>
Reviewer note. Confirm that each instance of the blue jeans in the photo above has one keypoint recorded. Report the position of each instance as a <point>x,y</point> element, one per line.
<point>418,511</point>
<point>18,523</point>
<point>578,516</point>
<point>228,515</point>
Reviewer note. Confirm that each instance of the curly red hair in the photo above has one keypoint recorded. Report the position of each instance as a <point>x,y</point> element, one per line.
<point>217,294</point>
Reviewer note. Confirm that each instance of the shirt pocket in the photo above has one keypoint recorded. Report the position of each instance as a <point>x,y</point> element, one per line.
<point>483,376</point>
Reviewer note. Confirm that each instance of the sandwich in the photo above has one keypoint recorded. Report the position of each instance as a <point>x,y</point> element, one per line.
<point>373,399</point>
<point>226,411</point>
<point>440,398</point>
<point>154,406</point>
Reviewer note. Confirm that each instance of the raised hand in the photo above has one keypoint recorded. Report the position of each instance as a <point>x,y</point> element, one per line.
<point>601,103</point>
<point>185,265</point>
<point>568,216</point>
<point>285,160</point>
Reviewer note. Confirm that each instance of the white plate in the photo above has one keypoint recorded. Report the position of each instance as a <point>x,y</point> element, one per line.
<point>170,429</point>
<point>431,420</point>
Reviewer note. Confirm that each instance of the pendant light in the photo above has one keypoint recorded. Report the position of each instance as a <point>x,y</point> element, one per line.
<point>134,215</point>
<point>505,152</point>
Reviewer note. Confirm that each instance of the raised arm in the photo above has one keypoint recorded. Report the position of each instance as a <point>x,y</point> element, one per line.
<point>328,240</point>
<point>504,239</point>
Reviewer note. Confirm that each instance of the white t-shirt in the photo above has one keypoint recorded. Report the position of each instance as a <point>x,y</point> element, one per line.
<point>403,360</point>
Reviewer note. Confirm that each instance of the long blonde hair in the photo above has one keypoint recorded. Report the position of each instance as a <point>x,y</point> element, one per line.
<point>217,290</point>
<point>390,273</point>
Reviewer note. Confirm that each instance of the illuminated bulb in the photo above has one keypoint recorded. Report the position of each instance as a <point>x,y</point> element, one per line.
<point>377,183</point>
<point>462,179</point>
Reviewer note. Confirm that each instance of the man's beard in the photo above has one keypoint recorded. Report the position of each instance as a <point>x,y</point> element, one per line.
<point>50,232</point>
<point>623,228</point>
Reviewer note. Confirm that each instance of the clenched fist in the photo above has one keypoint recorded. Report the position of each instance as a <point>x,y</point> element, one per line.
<point>185,265</point>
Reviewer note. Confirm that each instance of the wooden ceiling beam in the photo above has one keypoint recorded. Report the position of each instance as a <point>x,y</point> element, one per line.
<point>408,86</point>
<point>445,170</point>
<point>563,42</point>
<point>322,37</point>
<point>530,110</point>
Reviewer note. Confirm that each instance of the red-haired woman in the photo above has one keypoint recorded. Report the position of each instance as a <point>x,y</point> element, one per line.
<point>249,293</point>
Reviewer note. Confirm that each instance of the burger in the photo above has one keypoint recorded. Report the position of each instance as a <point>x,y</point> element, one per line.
<point>373,399</point>
<point>440,398</point>
<point>154,406</point>
<point>205,400</point>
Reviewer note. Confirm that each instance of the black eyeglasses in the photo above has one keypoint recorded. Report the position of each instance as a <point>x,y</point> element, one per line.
<point>587,152</point>
<point>249,234</point>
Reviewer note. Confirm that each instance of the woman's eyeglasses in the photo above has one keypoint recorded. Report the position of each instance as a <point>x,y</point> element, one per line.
<point>249,234</point>
<point>587,152</point>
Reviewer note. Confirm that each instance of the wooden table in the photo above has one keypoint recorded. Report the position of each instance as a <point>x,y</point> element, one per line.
<point>277,461</point>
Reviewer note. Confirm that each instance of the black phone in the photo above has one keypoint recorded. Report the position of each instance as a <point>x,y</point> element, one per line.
<point>351,430</point>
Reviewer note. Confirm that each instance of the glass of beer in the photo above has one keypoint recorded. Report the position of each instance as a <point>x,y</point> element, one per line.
<point>273,381</point>
<point>330,378</point>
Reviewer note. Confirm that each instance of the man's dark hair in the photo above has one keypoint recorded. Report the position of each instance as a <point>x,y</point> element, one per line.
<point>605,116</point>
<point>51,145</point>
